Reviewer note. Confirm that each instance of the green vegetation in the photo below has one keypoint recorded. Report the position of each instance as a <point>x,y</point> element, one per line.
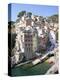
<point>35,70</point>
<point>26,66</point>
<point>29,14</point>
<point>53,18</point>
<point>20,14</point>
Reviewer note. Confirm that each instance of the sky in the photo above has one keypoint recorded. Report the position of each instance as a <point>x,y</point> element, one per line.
<point>41,10</point>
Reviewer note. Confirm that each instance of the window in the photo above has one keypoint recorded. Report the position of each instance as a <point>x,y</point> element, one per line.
<point>25,40</point>
<point>25,44</point>
<point>28,44</point>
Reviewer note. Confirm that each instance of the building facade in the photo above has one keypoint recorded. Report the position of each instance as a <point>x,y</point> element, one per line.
<point>30,43</point>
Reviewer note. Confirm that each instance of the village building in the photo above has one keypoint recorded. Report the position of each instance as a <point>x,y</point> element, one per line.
<point>32,35</point>
<point>30,43</point>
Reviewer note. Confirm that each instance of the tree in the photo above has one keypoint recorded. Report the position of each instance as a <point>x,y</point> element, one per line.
<point>10,25</point>
<point>29,14</point>
<point>53,18</point>
<point>20,14</point>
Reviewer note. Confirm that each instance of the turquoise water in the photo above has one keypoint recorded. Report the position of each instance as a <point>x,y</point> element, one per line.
<point>38,69</point>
